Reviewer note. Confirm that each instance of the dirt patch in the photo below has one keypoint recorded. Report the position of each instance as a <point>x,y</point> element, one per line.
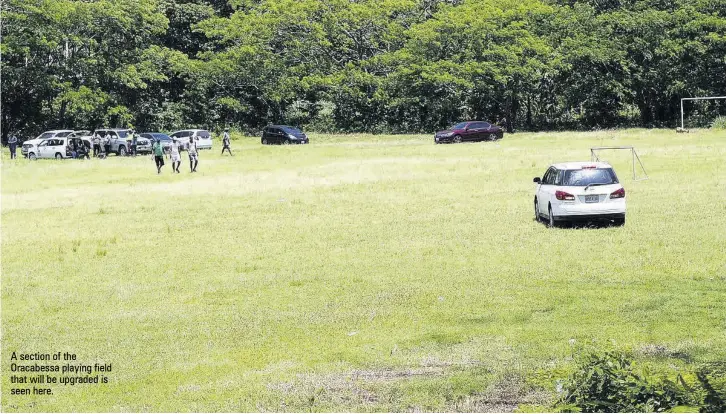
<point>392,374</point>
<point>662,351</point>
<point>503,396</point>
<point>377,389</point>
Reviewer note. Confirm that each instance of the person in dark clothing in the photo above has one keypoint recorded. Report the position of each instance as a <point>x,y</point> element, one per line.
<point>133,142</point>
<point>225,142</point>
<point>73,145</point>
<point>82,150</point>
<point>158,151</point>
<point>12,145</point>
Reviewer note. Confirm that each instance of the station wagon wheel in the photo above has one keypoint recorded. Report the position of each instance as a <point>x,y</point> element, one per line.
<point>264,141</point>
<point>550,218</point>
<point>457,139</point>
<point>122,151</point>
<point>536,212</point>
<point>492,137</point>
<point>286,142</point>
<point>32,156</point>
<point>58,156</point>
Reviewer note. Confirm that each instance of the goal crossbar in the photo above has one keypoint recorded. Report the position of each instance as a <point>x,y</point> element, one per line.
<point>702,98</point>
<point>595,156</point>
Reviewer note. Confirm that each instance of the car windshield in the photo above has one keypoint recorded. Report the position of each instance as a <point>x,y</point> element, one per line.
<point>589,176</point>
<point>45,135</point>
<point>460,125</point>
<point>122,134</point>
<point>291,130</point>
<point>162,137</point>
<point>63,134</point>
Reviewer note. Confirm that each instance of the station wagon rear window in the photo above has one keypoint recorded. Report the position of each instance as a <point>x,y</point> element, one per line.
<point>589,176</point>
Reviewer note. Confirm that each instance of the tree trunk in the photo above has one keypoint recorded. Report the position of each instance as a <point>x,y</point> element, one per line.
<point>513,108</point>
<point>529,112</point>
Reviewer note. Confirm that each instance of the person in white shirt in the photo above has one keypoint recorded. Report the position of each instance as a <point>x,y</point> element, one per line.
<point>96,144</point>
<point>175,157</point>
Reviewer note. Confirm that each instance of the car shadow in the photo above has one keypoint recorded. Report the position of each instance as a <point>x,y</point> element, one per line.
<point>581,224</point>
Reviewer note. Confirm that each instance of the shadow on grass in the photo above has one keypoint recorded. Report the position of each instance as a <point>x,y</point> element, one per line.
<point>593,224</point>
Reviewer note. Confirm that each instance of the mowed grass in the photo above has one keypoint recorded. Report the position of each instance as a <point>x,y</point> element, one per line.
<point>359,272</point>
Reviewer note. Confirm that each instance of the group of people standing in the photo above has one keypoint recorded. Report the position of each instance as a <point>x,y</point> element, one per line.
<point>103,143</point>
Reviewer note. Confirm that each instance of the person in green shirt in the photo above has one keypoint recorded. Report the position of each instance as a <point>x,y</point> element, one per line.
<point>158,155</point>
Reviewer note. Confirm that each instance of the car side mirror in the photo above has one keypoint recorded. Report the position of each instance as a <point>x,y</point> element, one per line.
<point>537,180</point>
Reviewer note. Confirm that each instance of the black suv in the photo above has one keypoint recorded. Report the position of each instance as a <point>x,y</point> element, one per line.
<point>283,134</point>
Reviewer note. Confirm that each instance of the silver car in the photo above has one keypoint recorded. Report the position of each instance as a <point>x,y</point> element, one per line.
<point>118,139</point>
<point>143,143</point>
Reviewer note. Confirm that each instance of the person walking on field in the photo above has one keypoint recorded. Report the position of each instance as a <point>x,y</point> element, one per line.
<point>192,151</point>
<point>158,151</point>
<point>225,142</point>
<point>175,157</point>
<point>12,145</point>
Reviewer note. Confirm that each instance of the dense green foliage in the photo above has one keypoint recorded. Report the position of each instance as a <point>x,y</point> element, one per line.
<point>365,65</point>
<point>611,381</point>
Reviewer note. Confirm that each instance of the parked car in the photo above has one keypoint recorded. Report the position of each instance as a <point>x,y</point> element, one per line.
<point>30,146</point>
<point>58,148</point>
<point>81,133</point>
<point>283,134</point>
<point>202,137</point>
<point>153,136</point>
<point>579,191</point>
<point>470,131</point>
<point>118,139</point>
<point>143,144</point>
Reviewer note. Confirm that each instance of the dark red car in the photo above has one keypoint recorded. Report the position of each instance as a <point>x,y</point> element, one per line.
<point>470,131</point>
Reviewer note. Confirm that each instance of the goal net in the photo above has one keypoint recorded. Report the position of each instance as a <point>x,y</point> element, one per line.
<point>636,164</point>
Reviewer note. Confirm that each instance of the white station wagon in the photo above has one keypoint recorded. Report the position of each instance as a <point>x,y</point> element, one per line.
<point>579,191</point>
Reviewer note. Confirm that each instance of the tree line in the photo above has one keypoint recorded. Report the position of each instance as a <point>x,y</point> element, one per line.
<point>358,65</point>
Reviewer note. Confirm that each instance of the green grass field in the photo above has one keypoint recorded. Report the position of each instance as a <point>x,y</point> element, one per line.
<point>357,273</point>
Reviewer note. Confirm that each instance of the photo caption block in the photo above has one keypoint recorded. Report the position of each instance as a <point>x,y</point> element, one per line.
<point>44,374</point>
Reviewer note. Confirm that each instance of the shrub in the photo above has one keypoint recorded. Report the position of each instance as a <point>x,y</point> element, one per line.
<point>612,382</point>
<point>719,123</point>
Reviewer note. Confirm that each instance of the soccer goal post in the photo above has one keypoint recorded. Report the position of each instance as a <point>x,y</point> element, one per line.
<point>635,159</point>
<point>698,98</point>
